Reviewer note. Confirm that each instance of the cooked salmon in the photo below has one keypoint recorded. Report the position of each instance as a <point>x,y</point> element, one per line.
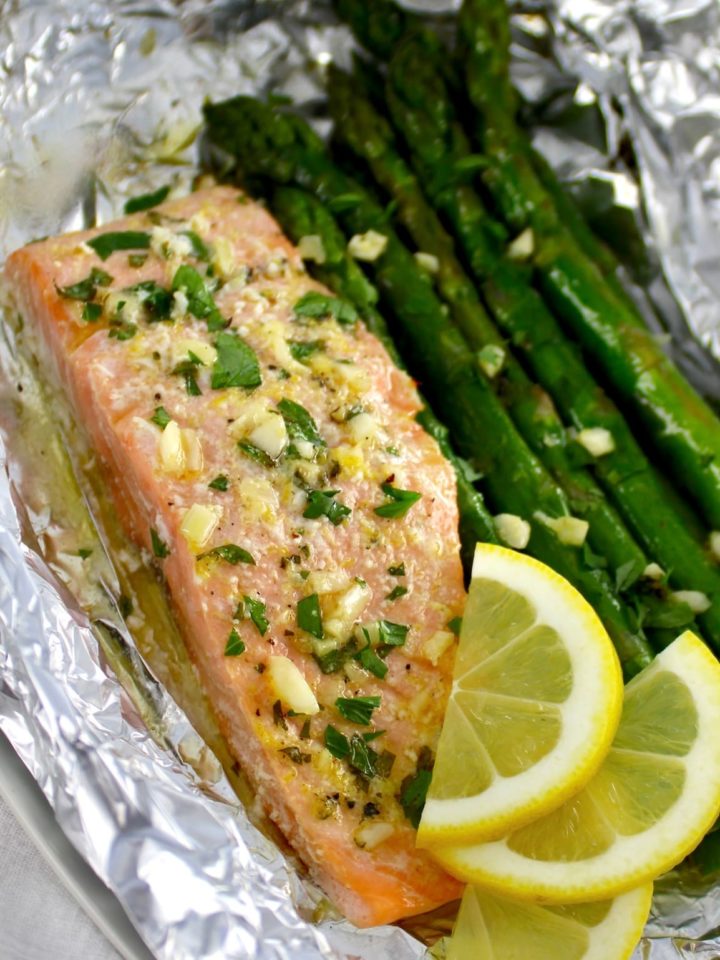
<point>261,446</point>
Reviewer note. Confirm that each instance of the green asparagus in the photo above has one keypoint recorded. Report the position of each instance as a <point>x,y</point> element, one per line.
<point>367,134</point>
<point>422,110</point>
<point>282,149</point>
<point>301,215</point>
<point>681,425</point>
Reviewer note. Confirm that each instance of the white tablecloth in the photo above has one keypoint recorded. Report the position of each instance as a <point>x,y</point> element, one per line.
<point>39,919</point>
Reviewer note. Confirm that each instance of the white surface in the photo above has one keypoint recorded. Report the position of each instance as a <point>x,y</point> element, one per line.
<point>39,917</point>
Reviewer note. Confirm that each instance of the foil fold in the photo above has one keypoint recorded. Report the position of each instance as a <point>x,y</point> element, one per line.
<point>102,100</point>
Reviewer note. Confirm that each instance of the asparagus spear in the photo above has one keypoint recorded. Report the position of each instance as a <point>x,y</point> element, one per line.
<point>422,110</point>
<point>301,215</point>
<point>283,150</point>
<point>367,134</point>
<point>680,424</point>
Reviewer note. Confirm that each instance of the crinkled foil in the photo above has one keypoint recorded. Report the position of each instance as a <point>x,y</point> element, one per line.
<point>101,100</point>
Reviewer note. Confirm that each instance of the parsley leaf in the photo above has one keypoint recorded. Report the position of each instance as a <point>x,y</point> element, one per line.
<point>413,793</point>
<point>236,364</point>
<point>316,306</point>
<point>122,330</point>
<point>84,552</point>
<point>391,634</point>
<point>300,425</point>
<point>359,755</point>
<point>154,298</point>
<point>336,742</point>
<point>230,553</point>
<point>200,301</point>
<point>321,503</point>
<point>255,453</point>
<point>302,350</point>
<point>368,659</point>
<point>397,571</point>
<point>357,709</point>
<point>160,417</point>
<point>396,593</point>
<point>107,243</point>
<point>91,312</point>
<point>398,503</point>
<point>627,573</point>
<point>159,547</point>
<point>199,248</point>
<point>296,754</point>
<point>219,483</point>
<point>86,289</point>
<point>309,617</point>
<point>454,625</point>
<point>188,369</point>
<point>234,646</point>
<point>254,610</point>
<point>146,201</point>
<point>137,259</point>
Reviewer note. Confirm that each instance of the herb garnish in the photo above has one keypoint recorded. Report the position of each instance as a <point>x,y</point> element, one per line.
<point>137,259</point>
<point>86,289</point>
<point>160,417</point>
<point>368,659</point>
<point>309,617</point>
<point>199,249</point>
<point>230,553</point>
<point>396,593</point>
<point>255,453</point>
<point>414,788</point>
<point>154,298</point>
<point>302,350</point>
<point>397,571</point>
<point>357,709</point>
<point>236,364</point>
<point>317,306</point>
<point>399,501</point>
<point>359,755</point>
<point>188,370</point>
<point>122,329</point>
<point>146,201</point>
<point>300,425</point>
<point>200,300</point>
<point>454,625</point>
<point>159,547</point>
<point>220,482</point>
<point>84,552</point>
<point>107,243</point>
<point>321,503</point>
<point>91,312</point>
<point>234,646</point>
<point>252,609</point>
<point>296,754</point>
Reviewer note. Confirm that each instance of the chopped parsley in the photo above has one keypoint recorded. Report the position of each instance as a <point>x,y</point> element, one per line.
<point>187,369</point>
<point>156,300</point>
<point>84,552</point>
<point>137,259</point>
<point>91,312</point>
<point>199,249</point>
<point>200,301</point>
<point>159,547</point>
<point>454,625</point>
<point>398,502</point>
<point>309,617</point>
<point>296,754</point>
<point>397,571</point>
<point>368,659</point>
<point>255,453</point>
<point>317,306</point>
<point>344,202</point>
<point>251,609</point>
<point>302,350</point>
<point>86,289</point>
<point>160,417</point>
<point>230,553</point>
<point>236,364</point>
<point>108,243</point>
<point>146,201</point>
<point>414,788</point>
<point>359,755</point>
<point>322,503</point>
<point>220,482</point>
<point>300,425</point>
<point>357,709</point>
<point>396,593</point>
<point>122,329</point>
<point>391,634</point>
<point>234,646</point>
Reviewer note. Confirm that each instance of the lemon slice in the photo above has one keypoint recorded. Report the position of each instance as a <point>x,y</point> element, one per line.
<point>536,700</point>
<point>647,807</point>
<point>488,926</point>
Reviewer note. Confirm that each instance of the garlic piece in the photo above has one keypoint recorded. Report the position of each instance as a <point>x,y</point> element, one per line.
<point>311,247</point>
<point>512,530</point>
<point>597,441</point>
<point>428,261</point>
<point>367,246</point>
<point>199,524</point>
<point>523,246</point>
<point>697,601</point>
<point>270,435</point>
<point>172,452</point>
<point>291,687</point>
<point>572,531</point>
<point>372,833</point>
<point>436,645</point>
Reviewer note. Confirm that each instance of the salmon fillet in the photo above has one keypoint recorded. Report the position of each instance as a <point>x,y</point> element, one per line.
<point>261,446</point>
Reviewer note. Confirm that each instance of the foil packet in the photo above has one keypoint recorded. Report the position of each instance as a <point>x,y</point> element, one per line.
<point>102,100</point>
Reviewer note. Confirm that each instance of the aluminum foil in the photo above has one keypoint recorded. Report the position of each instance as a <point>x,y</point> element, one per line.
<point>101,100</point>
